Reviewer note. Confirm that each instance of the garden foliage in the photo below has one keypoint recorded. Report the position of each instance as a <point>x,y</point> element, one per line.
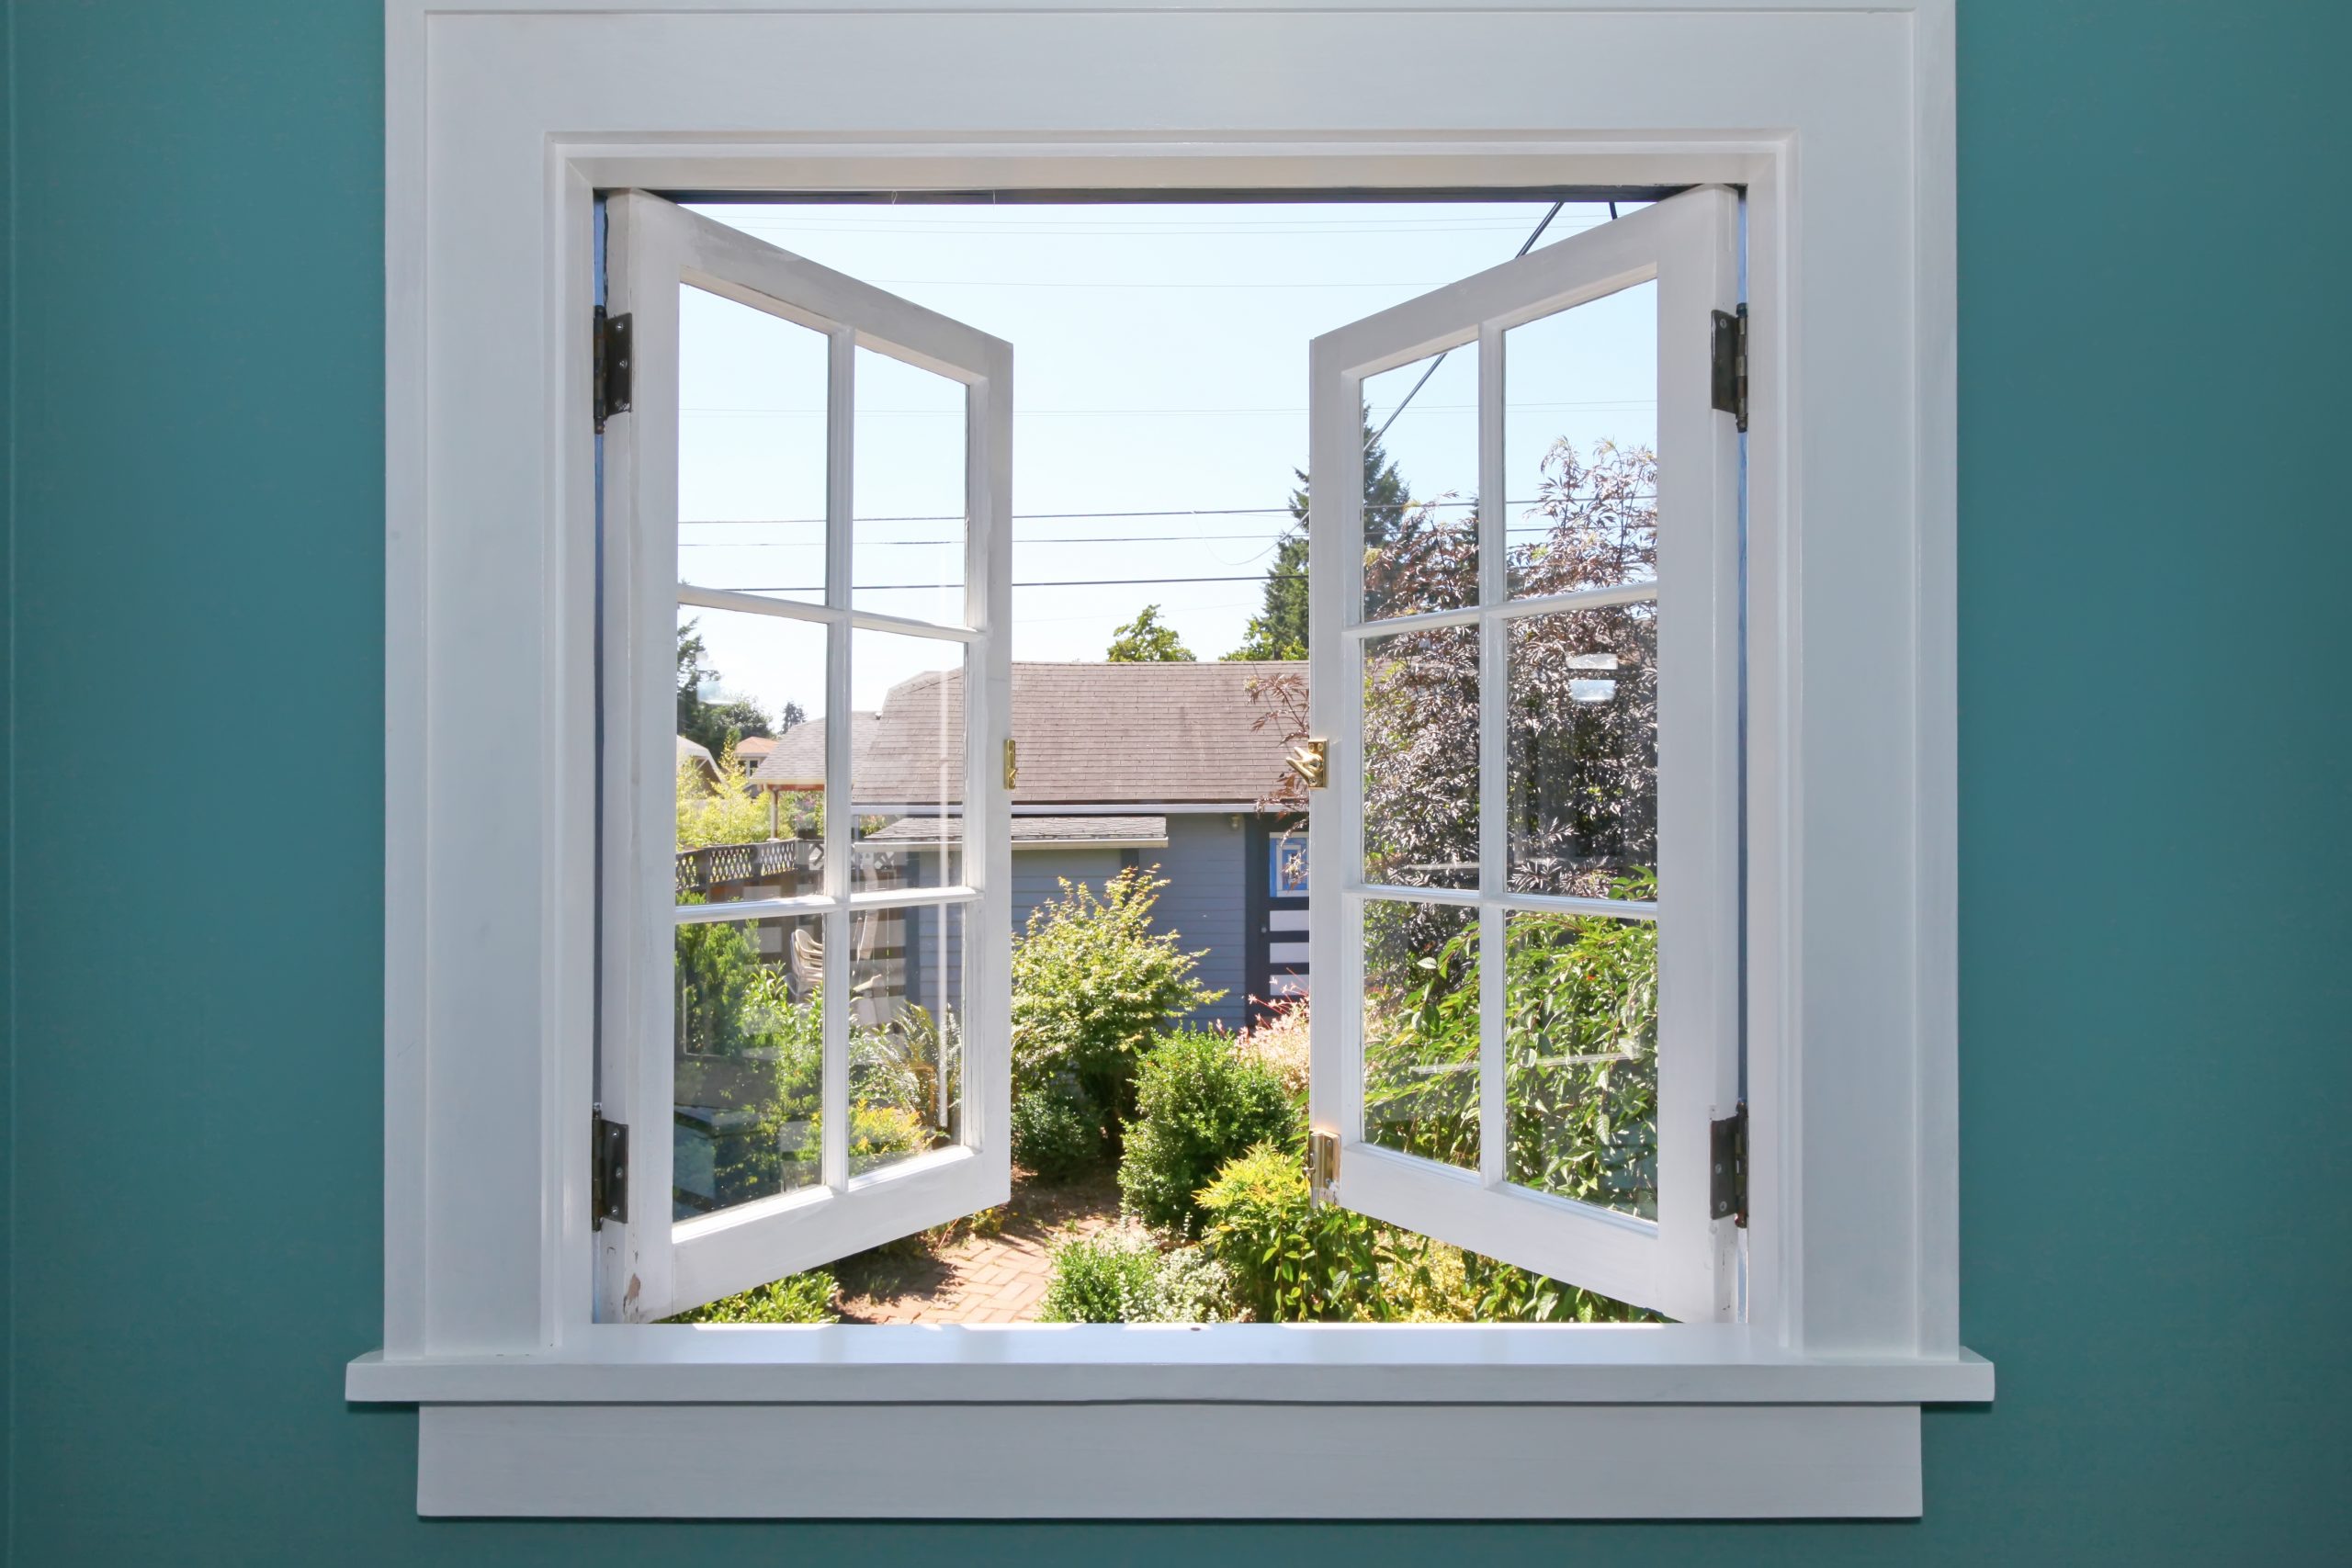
<point>1199,1103</point>
<point>1093,984</point>
<point>796,1298</point>
<point>1055,1134</point>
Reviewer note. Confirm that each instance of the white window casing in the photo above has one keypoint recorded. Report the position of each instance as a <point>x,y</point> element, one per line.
<point>1835,121</point>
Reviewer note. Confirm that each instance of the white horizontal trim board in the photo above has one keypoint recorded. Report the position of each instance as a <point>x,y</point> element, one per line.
<point>1233,1363</point>
<point>1171,1461</point>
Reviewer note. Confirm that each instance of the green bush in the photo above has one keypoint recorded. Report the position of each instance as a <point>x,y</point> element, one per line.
<point>1121,1275</point>
<point>1291,1262</point>
<point>1194,1285</point>
<point>1055,1132</point>
<point>1093,984</point>
<point>1199,1104</point>
<point>1580,1042</point>
<point>1108,1277</point>
<point>796,1298</point>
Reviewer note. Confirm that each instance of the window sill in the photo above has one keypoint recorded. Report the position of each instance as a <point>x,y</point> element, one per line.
<point>1104,1422</point>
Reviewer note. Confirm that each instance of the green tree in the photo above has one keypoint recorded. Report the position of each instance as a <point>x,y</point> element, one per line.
<point>1148,639</point>
<point>714,725</point>
<point>1093,984</point>
<point>1279,629</point>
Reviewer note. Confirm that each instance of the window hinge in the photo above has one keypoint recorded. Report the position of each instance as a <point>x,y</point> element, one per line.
<point>611,361</point>
<point>608,1161</point>
<point>1011,765</point>
<point>1728,1186</point>
<point>1322,1166</point>
<point>1729,346</point>
<point>1311,761</point>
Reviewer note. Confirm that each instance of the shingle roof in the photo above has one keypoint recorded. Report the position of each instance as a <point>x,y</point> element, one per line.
<point>1091,733</point>
<point>799,760</point>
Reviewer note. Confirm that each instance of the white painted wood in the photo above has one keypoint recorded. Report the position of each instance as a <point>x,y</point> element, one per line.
<point>1080,1363</point>
<point>653,1267</point>
<point>1170,1460</point>
<point>502,116</point>
<point>1682,1264</point>
<point>792,610</point>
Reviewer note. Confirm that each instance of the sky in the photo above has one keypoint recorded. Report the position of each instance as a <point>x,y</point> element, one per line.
<point>1160,414</point>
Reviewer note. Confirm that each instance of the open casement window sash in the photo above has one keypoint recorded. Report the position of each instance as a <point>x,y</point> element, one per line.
<point>652,1265</point>
<point>1681,1261</point>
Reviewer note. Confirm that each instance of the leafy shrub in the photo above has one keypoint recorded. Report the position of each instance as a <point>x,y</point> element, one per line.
<point>1120,1275</point>
<point>1290,1261</point>
<point>1055,1132</point>
<point>1194,1285</point>
<point>725,810</point>
<point>1111,1277</point>
<point>1198,1105</point>
<point>796,1298</point>
<point>1093,984</point>
<point>1580,1039</point>
<point>1280,1045</point>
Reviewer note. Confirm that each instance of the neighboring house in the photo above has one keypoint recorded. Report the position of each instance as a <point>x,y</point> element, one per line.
<point>698,754</point>
<point>752,749</point>
<point>794,761</point>
<point>1119,765</point>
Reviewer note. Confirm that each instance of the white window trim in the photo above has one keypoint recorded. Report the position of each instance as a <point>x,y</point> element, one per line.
<point>1838,120</point>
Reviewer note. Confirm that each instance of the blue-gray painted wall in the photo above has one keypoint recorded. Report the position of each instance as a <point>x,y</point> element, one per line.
<point>1204,902</point>
<point>2155,871</point>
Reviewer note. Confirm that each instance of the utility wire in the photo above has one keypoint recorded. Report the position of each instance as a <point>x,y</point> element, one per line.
<point>1078,516</point>
<point>1441,358</point>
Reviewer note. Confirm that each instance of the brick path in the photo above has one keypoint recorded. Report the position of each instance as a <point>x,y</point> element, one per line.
<point>978,1278</point>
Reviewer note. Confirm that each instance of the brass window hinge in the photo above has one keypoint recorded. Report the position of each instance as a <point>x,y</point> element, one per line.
<point>1012,767</point>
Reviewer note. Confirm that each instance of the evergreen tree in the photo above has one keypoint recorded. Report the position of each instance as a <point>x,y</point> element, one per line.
<point>1279,630</point>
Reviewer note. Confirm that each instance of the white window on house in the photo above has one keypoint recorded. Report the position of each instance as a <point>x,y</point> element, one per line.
<point>809,1067</point>
<point>1530,829</point>
<point>833,1050</point>
<point>1632,954</point>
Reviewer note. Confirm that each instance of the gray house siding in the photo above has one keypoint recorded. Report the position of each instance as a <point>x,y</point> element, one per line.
<point>1036,879</point>
<point>1206,867</point>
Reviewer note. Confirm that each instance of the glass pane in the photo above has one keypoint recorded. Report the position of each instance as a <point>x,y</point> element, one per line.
<point>1580,1049</point>
<point>1583,745</point>
<point>750,1061</point>
<point>1420,757</point>
<point>907,772</point>
<point>1580,446</point>
<point>906,545</point>
<point>1421,1030</point>
<point>906,1034</point>
<point>750,754</point>
<point>1421,486</point>
<point>750,450</point>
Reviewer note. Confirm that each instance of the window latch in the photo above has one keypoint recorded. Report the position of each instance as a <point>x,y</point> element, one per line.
<point>1322,1166</point>
<point>1728,346</point>
<point>608,1170</point>
<point>610,360</point>
<point>1727,1161</point>
<point>1311,761</point>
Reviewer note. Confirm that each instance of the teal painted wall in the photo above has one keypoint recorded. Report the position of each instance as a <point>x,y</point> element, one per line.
<point>2155,548</point>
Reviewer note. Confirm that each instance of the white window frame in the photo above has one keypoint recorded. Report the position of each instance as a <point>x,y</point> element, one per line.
<point>1836,119</point>
<point>1684,1263</point>
<point>648,1267</point>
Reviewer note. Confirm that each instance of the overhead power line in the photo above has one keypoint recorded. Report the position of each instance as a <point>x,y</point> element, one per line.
<point>1523,249</point>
